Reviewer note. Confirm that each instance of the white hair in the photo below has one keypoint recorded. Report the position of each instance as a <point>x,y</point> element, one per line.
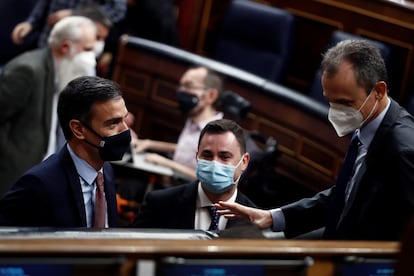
<point>68,28</point>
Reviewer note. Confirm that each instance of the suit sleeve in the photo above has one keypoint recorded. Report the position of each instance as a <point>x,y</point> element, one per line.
<point>24,204</point>
<point>306,214</point>
<point>115,9</point>
<point>147,216</point>
<point>15,91</point>
<point>406,175</point>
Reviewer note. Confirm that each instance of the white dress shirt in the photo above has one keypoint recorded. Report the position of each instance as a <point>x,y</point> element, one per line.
<point>202,216</point>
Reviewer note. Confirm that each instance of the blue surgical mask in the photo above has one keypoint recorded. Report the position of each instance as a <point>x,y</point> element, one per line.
<point>215,176</point>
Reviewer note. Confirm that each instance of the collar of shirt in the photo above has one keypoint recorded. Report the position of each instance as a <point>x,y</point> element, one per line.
<point>367,133</point>
<point>203,201</point>
<point>84,170</point>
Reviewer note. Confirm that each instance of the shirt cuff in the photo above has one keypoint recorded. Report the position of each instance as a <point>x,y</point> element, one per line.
<point>279,223</point>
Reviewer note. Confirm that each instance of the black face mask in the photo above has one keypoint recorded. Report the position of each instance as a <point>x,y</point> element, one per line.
<point>112,148</point>
<point>186,101</point>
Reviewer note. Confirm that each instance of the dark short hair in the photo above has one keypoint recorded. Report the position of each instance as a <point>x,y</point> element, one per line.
<point>222,126</point>
<point>365,58</point>
<point>95,13</point>
<point>78,97</point>
<point>212,80</point>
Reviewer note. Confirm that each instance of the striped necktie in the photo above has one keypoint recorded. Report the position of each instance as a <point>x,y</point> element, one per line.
<point>100,203</point>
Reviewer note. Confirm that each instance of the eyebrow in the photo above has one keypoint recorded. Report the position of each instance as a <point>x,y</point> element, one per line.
<point>115,119</point>
<point>220,153</point>
<point>87,48</point>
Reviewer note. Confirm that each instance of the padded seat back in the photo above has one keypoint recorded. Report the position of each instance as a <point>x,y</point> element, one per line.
<point>256,38</point>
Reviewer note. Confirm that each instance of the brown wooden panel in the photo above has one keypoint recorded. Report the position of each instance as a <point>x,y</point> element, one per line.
<point>373,19</point>
<point>135,83</point>
<point>387,21</point>
<point>165,93</point>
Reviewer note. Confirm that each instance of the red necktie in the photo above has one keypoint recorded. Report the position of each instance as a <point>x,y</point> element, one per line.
<point>100,203</point>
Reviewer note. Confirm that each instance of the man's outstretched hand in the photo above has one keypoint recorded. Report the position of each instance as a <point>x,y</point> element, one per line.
<point>261,218</point>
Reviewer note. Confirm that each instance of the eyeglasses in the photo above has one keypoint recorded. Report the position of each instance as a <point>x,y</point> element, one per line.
<point>189,86</point>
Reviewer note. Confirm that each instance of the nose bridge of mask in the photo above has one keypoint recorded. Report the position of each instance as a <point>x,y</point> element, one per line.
<point>222,164</point>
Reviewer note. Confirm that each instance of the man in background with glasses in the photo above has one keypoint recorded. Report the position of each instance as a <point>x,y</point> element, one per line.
<point>197,94</point>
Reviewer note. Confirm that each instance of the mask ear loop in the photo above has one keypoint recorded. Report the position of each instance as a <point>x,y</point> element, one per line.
<point>235,167</point>
<point>102,141</point>
<point>370,114</point>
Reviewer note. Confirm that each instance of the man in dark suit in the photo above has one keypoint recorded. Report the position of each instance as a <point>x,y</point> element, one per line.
<point>221,159</point>
<point>62,190</point>
<point>29,87</point>
<point>375,199</point>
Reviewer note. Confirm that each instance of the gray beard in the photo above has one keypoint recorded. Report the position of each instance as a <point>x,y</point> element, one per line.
<point>67,69</point>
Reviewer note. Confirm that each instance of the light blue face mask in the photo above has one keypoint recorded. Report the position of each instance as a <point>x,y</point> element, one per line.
<point>215,176</point>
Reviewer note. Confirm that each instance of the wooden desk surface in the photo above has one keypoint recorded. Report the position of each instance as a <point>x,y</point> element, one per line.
<point>132,256</point>
<point>195,248</point>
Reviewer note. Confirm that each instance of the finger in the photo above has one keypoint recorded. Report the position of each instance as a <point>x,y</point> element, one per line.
<point>23,32</point>
<point>232,216</point>
<point>225,205</point>
<point>51,19</point>
<point>16,37</point>
<point>234,207</point>
<point>224,211</point>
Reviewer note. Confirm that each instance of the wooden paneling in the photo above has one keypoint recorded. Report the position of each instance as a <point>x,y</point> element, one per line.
<point>388,21</point>
<point>371,19</point>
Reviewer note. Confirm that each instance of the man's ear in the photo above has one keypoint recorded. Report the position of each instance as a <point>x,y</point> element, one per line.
<point>77,129</point>
<point>380,89</point>
<point>64,48</point>
<point>245,162</point>
<point>212,95</point>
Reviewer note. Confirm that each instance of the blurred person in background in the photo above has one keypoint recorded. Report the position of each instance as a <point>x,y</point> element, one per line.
<point>46,13</point>
<point>29,88</point>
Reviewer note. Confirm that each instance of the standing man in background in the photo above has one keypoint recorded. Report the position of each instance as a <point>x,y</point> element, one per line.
<point>47,13</point>
<point>29,90</point>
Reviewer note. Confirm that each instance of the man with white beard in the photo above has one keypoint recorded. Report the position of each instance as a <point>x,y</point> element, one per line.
<point>29,88</point>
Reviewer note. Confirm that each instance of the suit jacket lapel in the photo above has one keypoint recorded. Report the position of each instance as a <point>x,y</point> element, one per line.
<point>377,143</point>
<point>374,149</point>
<point>73,178</point>
<point>186,202</point>
<point>110,194</point>
<point>354,190</point>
